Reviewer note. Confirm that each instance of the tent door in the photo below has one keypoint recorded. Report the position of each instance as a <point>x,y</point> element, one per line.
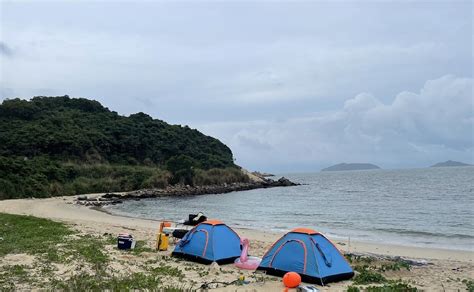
<point>207,241</point>
<point>286,254</point>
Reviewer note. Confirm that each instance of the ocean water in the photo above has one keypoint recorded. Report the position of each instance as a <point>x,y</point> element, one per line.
<point>431,207</point>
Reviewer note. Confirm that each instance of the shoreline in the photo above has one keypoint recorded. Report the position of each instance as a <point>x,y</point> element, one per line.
<point>114,198</point>
<point>65,210</point>
<point>345,246</point>
<point>430,268</point>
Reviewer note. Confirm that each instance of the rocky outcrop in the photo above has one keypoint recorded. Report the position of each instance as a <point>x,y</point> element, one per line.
<point>178,190</point>
<point>262,174</point>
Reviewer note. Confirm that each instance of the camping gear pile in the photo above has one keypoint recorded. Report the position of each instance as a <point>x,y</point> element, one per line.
<point>301,255</point>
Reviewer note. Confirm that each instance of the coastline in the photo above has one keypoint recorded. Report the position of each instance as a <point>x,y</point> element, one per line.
<point>438,264</point>
<point>113,198</point>
<point>65,210</point>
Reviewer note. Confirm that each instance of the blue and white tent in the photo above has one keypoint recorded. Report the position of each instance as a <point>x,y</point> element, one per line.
<point>210,241</point>
<point>308,253</point>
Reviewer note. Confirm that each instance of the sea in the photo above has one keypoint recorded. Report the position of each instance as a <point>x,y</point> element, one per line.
<point>429,207</point>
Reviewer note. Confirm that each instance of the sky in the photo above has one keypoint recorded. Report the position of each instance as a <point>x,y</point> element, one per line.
<point>288,86</point>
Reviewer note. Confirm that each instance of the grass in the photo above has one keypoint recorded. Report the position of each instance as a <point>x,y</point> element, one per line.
<point>141,247</point>
<point>55,243</point>
<point>469,285</point>
<point>136,281</point>
<point>396,266</point>
<point>11,274</point>
<point>369,270</point>
<point>42,177</point>
<point>358,259</point>
<point>88,247</point>
<point>166,270</point>
<point>35,236</point>
<point>368,276</point>
<point>151,280</point>
<point>391,286</point>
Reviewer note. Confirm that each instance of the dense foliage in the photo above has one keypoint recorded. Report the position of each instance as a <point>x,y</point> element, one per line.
<point>80,129</point>
<point>62,145</point>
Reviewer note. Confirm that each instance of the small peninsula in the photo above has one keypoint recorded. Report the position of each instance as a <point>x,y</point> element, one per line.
<point>450,163</point>
<point>351,166</point>
<point>57,146</point>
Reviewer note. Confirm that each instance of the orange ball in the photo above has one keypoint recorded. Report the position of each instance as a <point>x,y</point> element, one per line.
<point>291,279</point>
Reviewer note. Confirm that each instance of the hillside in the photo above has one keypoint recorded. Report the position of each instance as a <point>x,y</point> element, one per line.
<point>450,163</point>
<point>350,166</point>
<point>62,145</point>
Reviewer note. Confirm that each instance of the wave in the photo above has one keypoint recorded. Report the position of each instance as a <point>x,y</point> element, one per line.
<point>424,233</point>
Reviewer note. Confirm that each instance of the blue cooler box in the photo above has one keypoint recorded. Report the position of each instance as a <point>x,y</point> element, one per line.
<point>125,241</point>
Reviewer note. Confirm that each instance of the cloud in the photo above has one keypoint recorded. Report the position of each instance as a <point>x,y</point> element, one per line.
<point>206,55</point>
<point>414,129</point>
<point>288,86</point>
<point>5,50</point>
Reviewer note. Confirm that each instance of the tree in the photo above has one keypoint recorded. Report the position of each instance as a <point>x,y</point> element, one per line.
<point>181,168</point>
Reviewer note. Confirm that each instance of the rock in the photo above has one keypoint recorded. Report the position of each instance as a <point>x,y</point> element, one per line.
<point>286,182</point>
<point>110,196</point>
<point>113,199</point>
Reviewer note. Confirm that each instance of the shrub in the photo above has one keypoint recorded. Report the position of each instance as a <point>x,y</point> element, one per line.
<point>393,286</point>
<point>217,176</point>
<point>41,177</point>
<point>366,276</point>
<point>158,180</point>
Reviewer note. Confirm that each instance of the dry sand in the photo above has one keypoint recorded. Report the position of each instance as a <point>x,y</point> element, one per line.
<point>443,272</point>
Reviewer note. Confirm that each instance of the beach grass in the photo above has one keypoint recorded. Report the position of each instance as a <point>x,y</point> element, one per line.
<point>31,235</point>
<point>370,274</point>
<point>52,244</point>
<point>43,254</point>
<point>391,286</point>
<point>102,281</point>
<point>366,275</point>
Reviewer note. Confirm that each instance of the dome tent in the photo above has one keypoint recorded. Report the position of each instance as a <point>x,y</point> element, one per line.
<point>310,254</point>
<point>210,241</point>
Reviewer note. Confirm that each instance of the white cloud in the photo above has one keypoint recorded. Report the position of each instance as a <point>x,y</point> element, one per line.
<point>414,129</point>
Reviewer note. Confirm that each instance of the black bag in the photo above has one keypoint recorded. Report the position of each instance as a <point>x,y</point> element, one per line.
<point>195,219</point>
<point>179,233</point>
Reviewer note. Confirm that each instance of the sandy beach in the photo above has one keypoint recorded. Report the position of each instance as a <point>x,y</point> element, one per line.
<point>442,270</point>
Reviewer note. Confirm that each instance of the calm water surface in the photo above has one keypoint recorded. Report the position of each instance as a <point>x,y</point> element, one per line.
<point>423,207</point>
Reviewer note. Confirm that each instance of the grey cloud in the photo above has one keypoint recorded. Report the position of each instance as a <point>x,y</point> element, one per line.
<point>5,50</point>
<point>271,78</point>
<point>253,143</point>
<point>414,129</point>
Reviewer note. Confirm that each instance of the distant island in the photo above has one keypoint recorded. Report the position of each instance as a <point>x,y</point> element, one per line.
<point>450,163</point>
<point>351,166</point>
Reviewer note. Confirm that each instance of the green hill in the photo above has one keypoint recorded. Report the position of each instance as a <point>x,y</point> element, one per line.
<point>61,145</point>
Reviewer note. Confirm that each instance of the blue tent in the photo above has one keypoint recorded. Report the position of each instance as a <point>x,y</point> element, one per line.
<point>310,254</point>
<point>210,241</point>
